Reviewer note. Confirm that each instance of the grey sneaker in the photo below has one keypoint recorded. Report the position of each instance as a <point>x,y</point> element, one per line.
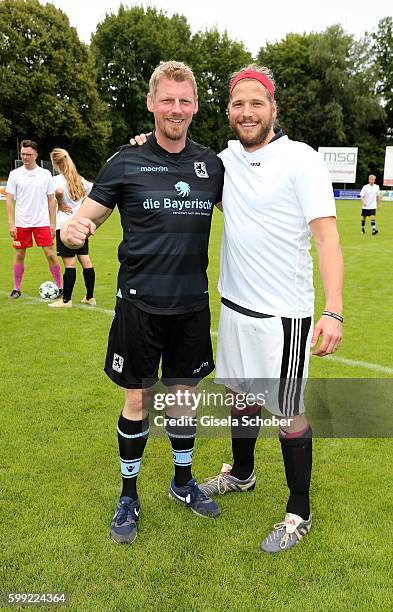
<point>287,534</point>
<point>226,483</point>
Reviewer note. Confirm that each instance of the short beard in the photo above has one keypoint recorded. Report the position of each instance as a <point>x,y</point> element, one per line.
<point>171,136</point>
<point>255,141</point>
<point>175,135</point>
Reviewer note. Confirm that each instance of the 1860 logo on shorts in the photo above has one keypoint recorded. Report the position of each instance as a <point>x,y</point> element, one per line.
<point>118,362</point>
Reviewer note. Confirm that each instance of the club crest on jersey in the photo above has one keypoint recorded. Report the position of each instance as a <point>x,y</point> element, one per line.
<point>183,189</point>
<point>200,170</point>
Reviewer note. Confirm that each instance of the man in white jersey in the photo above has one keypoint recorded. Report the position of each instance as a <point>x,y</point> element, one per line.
<point>34,213</point>
<point>370,195</point>
<point>277,193</point>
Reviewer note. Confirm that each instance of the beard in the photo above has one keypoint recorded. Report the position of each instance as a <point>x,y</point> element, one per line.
<point>258,138</point>
<point>172,135</point>
<point>173,132</point>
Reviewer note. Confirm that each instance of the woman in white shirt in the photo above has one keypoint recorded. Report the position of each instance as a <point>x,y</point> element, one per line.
<point>70,191</point>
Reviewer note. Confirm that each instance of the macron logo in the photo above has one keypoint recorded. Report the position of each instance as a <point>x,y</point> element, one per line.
<point>154,169</point>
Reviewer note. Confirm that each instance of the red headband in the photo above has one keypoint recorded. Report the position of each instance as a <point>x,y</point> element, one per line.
<point>252,74</point>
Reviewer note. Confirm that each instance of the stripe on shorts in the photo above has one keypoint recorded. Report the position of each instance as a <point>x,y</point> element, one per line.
<point>292,365</point>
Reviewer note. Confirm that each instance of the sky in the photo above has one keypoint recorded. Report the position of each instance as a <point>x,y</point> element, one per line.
<point>249,23</point>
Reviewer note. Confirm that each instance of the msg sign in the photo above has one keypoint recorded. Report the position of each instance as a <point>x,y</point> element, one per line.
<point>388,170</point>
<point>342,162</point>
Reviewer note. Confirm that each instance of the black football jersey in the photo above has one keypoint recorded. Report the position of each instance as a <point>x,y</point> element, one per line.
<point>166,202</point>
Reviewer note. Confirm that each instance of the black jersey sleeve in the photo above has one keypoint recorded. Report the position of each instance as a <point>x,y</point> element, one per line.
<point>108,185</point>
<point>221,182</point>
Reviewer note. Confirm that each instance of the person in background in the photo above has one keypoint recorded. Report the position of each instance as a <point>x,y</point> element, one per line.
<point>370,195</point>
<point>70,190</point>
<point>34,214</point>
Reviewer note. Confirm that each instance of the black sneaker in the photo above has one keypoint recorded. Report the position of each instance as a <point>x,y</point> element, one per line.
<point>15,294</point>
<point>375,232</point>
<point>123,526</point>
<point>194,498</point>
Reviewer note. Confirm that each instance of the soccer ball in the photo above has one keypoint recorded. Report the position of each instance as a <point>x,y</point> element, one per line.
<point>49,291</point>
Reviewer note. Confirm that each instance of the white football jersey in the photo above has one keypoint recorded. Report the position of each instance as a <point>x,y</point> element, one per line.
<point>61,182</point>
<point>30,189</point>
<point>370,194</point>
<point>269,198</point>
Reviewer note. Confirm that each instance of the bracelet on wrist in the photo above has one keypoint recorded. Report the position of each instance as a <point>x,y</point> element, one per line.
<point>334,315</point>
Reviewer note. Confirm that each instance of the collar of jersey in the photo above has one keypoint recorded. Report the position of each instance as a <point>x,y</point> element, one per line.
<point>152,140</point>
<point>276,136</point>
<point>259,153</point>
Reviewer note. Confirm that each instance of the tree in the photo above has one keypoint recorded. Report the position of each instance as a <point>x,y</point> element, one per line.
<point>127,47</point>
<point>326,91</point>
<point>382,47</point>
<point>47,84</point>
<point>215,58</point>
<point>5,128</point>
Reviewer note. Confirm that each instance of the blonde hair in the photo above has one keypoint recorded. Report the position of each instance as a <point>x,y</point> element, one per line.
<point>176,71</point>
<point>63,163</point>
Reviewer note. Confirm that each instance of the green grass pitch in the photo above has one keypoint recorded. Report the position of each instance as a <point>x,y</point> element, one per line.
<point>59,471</point>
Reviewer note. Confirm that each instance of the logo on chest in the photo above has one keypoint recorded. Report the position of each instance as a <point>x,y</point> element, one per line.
<point>183,189</point>
<point>200,170</point>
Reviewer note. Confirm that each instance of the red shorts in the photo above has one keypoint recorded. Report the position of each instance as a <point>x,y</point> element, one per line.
<point>24,237</point>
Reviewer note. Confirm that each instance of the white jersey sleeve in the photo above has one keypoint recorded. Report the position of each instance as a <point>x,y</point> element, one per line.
<point>11,184</point>
<point>58,182</point>
<point>50,187</point>
<point>313,186</point>
<point>87,186</point>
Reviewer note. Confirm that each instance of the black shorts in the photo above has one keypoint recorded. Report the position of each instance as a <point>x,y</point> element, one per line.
<point>368,212</point>
<point>64,251</point>
<point>138,340</point>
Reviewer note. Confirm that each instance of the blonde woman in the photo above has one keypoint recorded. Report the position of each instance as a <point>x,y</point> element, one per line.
<point>70,190</point>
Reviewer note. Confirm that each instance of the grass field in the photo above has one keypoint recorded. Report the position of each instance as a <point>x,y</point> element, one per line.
<point>59,473</point>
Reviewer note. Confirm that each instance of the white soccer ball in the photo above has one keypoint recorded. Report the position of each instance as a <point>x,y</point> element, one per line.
<point>49,290</point>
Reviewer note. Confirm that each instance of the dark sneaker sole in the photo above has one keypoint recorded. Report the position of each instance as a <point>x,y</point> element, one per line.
<point>118,539</point>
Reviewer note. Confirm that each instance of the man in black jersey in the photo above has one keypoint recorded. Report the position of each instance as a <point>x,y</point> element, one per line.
<point>165,192</point>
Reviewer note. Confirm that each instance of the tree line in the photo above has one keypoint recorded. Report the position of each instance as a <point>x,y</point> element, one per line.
<point>332,90</point>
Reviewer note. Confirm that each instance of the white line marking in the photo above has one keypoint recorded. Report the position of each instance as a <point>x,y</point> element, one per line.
<point>37,300</point>
<point>376,367</point>
<point>361,364</point>
<point>364,247</point>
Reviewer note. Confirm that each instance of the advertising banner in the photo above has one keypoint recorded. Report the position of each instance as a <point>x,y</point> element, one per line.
<point>342,162</point>
<point>388,170</point>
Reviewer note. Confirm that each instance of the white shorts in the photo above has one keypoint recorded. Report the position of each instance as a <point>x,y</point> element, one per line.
<point>267,356</point>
